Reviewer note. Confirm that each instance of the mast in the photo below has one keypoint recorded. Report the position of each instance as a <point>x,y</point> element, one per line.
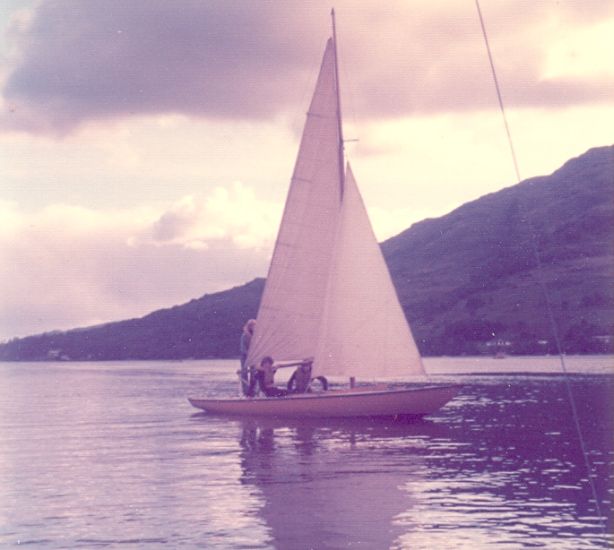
<point>339,123</point>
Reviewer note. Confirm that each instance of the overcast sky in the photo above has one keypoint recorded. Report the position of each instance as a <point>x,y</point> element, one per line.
<point>146,146</point>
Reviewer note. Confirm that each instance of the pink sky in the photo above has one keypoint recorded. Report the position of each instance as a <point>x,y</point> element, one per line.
<point>147,145</point>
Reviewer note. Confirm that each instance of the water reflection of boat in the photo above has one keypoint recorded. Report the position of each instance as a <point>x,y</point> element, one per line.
<point>329,296</point>
<point>505,458</point>
<point>333,484</point>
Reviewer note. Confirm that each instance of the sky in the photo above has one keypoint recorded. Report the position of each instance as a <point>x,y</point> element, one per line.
<point>146,147</point>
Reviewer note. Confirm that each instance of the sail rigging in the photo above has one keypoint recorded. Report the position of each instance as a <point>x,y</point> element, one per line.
<point>328,294</point>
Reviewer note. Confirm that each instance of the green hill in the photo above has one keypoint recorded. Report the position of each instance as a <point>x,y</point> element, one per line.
<point>468,281</point>
<point>471,276</point>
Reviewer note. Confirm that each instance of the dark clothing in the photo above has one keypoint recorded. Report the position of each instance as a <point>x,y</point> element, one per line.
<point>246,338</point>
<point>299,381</point>
<point>258,379</point>
<point>254,382</point>
<point>273,391</point>
<point>244,343</point>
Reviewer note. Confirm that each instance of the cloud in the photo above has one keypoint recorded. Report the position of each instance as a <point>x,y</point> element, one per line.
<point>74,63</point>
<point>234,215</point>
<point>114,59</point>
<point>64,266</point>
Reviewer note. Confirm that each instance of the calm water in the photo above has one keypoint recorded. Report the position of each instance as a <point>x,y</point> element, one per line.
<point>111,454</point>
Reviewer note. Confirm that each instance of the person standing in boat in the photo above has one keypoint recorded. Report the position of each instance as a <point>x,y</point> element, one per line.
<point>245,341</point>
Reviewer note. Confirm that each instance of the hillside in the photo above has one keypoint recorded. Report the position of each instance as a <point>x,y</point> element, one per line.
<point>468,281</point>
<point>471,276</point>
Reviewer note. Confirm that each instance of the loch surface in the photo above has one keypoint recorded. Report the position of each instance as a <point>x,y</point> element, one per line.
<point>112,455</point>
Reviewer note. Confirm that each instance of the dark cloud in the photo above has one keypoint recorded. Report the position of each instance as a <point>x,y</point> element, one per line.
<point>93,60</point>
<point>80,61</point>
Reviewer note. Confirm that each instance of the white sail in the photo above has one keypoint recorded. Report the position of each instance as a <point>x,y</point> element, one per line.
<point>363,332</point>
<point>328,293</point>
<point>293,300</point>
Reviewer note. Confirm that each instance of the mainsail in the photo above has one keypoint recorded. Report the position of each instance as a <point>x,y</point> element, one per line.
<point>328,293</point>
<point>291,308</point>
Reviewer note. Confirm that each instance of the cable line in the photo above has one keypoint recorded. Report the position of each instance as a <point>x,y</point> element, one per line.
<point>542,284</point>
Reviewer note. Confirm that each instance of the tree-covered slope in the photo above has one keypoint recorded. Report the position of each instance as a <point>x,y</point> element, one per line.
<point>472,275</point>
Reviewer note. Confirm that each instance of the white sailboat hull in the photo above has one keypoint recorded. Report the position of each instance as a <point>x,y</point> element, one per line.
<point>418,401</point>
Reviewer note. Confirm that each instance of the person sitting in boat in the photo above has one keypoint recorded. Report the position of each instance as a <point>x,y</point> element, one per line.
<point>265,373</point>
<point>299,381</point>
<point>246,338</point>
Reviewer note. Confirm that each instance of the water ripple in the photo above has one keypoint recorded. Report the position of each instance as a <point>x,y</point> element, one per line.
<point>112,455</point>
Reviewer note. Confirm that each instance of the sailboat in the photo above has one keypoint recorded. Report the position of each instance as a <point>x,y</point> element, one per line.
<point>329,300</point>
